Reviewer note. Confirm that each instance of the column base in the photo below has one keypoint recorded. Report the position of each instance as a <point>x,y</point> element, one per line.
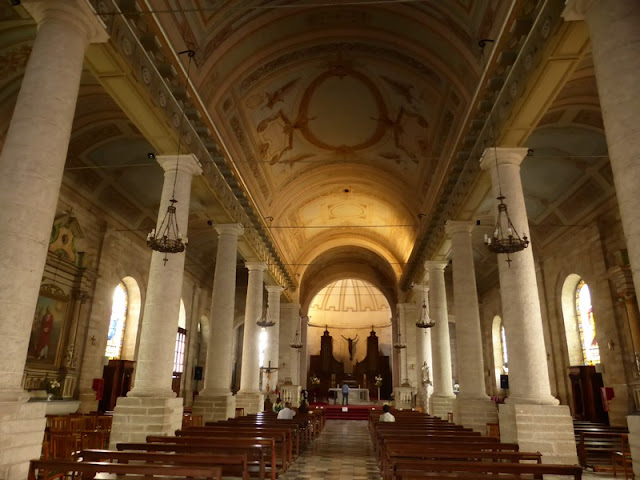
<point>633,421</point>
<point>22,426</point>
<point>441,406</point>
<point>251,402</point>
<point>88,402</point>
<point>136,417</point>
<point>547,429</point>
<point>215,408</point>
<point>475,413</point>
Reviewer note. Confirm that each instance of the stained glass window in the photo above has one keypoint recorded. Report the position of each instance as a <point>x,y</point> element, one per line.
<point>178,359</point>
<point>586,325</point>
<point>503,344</point>
<point>117,322</point>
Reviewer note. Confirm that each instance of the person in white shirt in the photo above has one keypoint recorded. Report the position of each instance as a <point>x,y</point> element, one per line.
<point>386,416</point>
<point>286,413</point>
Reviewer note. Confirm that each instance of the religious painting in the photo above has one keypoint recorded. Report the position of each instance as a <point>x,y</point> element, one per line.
<point>48,326</point>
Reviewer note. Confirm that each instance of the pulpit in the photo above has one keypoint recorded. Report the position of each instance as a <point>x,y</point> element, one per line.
<point>117,382</point>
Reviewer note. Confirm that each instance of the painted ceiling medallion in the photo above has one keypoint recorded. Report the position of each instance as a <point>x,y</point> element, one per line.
<point>409,133</point>
<point>276,135</point>
<point>343,111</point>
<point>347,210</point>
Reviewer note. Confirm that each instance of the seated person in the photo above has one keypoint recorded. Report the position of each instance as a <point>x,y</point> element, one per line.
<point>286,413</point>
<point>278,405</point>
<point>386,416</point>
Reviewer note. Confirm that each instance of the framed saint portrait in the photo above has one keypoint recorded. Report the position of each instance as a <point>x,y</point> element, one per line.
<point>48,326</point>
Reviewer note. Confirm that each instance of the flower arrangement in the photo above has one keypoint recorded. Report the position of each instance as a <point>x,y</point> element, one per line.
<point>378,380</point>
<point>314,380</point>
<point>53,386</point>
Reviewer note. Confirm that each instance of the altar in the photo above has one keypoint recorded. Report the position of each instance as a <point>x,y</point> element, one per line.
<point>357,396</point>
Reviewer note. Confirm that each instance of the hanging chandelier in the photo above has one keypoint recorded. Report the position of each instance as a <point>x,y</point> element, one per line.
<point>297,340</point>
<point>505,238</point>
<point>167,238</point>
<point>425,321</point>
<point>266,321</point>
<point>399,344</point>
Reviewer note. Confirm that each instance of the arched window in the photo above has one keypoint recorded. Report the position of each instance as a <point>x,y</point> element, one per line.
<point>586,324</point>
<point>503,344</point>
<point>181,339</point>
<point>117,323</point>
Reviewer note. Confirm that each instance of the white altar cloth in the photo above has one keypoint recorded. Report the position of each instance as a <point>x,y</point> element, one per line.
<point>357,396</point>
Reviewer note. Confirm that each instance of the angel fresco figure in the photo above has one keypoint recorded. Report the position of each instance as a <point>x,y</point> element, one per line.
<point>352,345</point>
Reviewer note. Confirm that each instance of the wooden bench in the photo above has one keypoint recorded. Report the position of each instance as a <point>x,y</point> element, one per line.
<point>255,454</point>
<point>235,465</point>
<point>442,469</point>
<point>44,469</point>
<point>595,449</point>
<point>268,444</point>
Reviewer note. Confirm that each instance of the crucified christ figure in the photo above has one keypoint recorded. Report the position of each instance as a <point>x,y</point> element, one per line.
<point>351,345</point>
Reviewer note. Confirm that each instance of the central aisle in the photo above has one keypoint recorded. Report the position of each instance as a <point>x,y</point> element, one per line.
<point>342,452</point>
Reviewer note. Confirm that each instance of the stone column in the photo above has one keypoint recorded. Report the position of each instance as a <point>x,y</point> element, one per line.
<point>32,161</point>
<point>530,400</point>
<point>249,397</point>
<point>215,401</point>
<point>287,362</point>
<point>615,47</point>
<point>273,347</point>
<point>423,349</point>
<point>473,408</point>
<point>190,355</point>
<point>402,336</point>
<point>303,372</point>
<point>135,416</point>
<point>441,402</point>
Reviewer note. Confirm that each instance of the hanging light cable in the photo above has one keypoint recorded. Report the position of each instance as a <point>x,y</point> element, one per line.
<point>167,239</point>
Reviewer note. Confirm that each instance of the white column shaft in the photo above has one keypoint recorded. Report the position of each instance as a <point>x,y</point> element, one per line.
<point>192,337</point>
<point>465,297</point>
<point>290,315</point>
<point>440,341</point>
<point>32,163</point>
<point>218,369</point>
<point>615,46</point>
<point>156,353</point>
<point>250,375</point>
<point>528,372</point>
<point>273,347</point>
<point>303,372</point>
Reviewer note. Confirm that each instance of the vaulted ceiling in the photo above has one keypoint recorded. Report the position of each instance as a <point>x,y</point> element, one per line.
<point>339,126</point>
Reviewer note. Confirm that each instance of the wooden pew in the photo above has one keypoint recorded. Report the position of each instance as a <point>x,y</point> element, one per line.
<point>39,469</point>
<point>234,465</point>
<point>442,469</point>
<point>255,454</point>
<point>267,442</point>
<point>595,449</point>
<point>281,436</point>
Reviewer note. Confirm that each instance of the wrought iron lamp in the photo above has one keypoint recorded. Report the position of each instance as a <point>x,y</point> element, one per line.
<point>399,344</point>
<point>297,340</point>
<point>266,321</point>
<point>167,238</point>
<point>505,238</point>
<point>425,321</point>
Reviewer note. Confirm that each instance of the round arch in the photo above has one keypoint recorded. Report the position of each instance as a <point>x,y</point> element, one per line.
<point>132,323</point>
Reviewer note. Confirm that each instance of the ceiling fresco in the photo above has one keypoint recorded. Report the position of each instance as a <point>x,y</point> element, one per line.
<point>339,122</point>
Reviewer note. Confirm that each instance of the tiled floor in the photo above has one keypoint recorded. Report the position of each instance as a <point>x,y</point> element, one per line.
<point>342,452</point>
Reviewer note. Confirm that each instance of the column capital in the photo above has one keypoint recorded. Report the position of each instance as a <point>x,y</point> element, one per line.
<point>435,265</point>
<point>274,289</point>
<point>229,229</point>
<point>502,156</point>
<point>188,164</point>
<point>576,10</point>
<point>459,226</point>
<point>77,13</point>
<point>255,266</point>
